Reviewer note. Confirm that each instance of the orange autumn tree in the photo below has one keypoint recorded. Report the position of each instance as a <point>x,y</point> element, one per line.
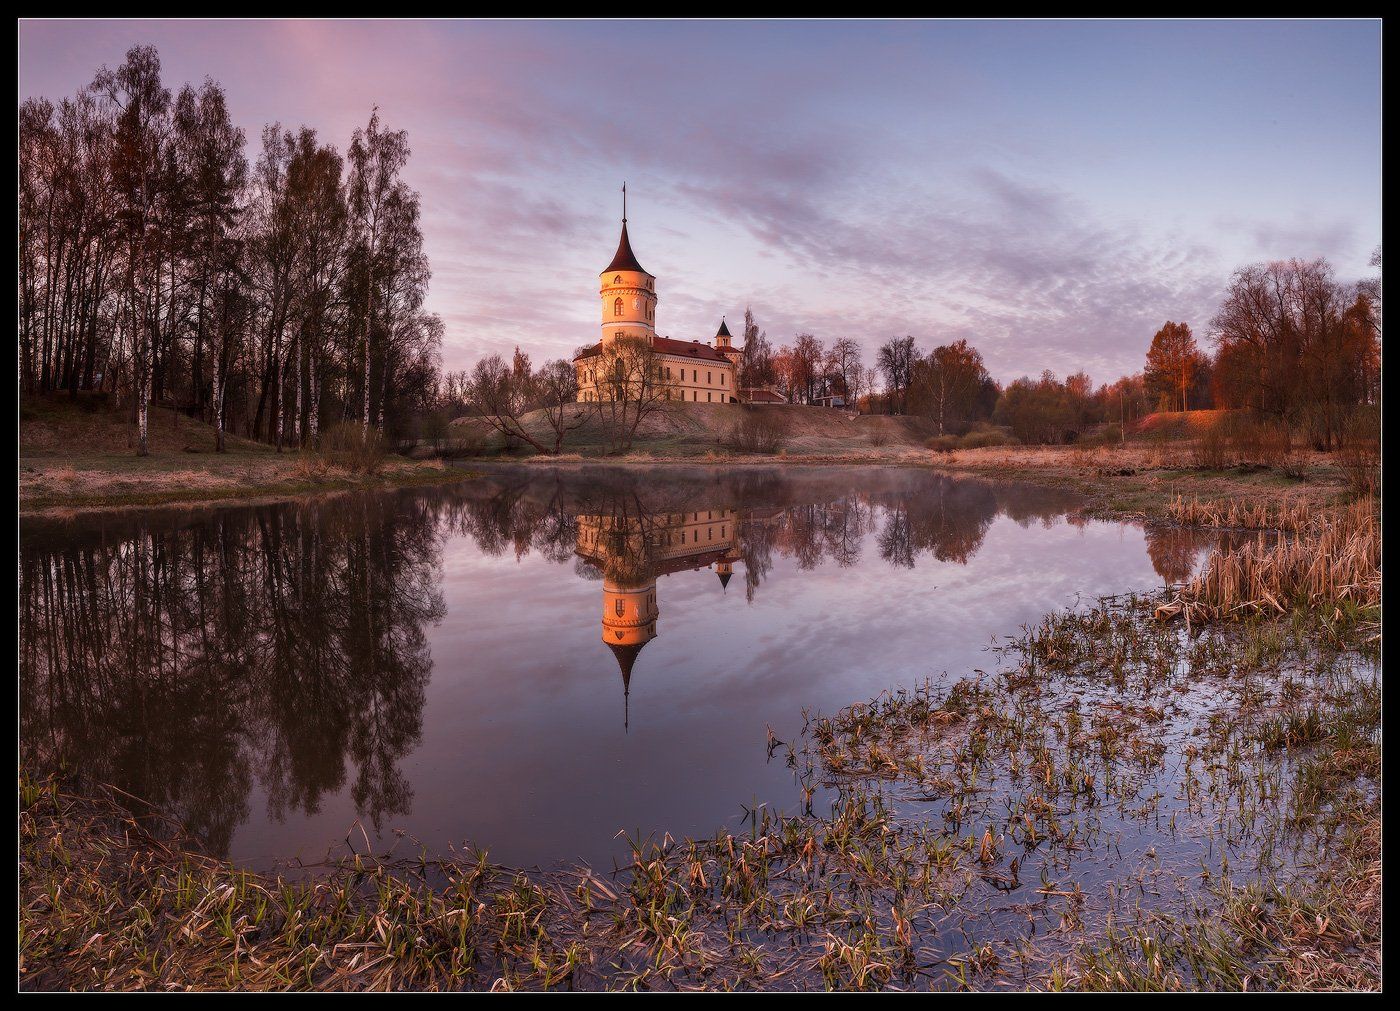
<point>1172,362</point>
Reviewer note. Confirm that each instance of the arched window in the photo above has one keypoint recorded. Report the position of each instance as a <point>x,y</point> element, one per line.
<point>620,607</point>
<point>617,306</point>
<point>617,279</point>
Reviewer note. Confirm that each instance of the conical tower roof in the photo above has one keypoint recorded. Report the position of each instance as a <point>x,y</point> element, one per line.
<point>626,657</point>
<point>624,258</point>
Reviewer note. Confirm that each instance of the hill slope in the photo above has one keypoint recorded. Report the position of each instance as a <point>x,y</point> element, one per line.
<point>684,428</point>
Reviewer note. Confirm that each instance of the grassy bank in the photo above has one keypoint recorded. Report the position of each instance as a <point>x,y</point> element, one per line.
<point>1169,792</point>
<point>79,455</point>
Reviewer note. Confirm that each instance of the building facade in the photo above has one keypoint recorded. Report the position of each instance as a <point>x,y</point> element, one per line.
<point>628,346</point>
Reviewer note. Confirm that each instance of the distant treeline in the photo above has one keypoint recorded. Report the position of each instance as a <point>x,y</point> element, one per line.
<point>1291,344</point>
<point>157,265</point>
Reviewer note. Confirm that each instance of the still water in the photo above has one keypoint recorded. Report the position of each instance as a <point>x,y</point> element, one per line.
<point>531,661</point>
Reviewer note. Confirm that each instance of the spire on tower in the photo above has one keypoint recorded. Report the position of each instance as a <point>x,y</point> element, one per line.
<point>624,201</point>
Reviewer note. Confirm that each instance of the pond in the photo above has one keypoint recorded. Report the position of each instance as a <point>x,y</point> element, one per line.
<point>537,662</point>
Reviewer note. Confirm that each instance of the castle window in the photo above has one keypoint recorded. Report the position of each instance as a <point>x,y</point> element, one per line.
<point>709,377</point>
<point>617,306</point>
<point>617,279</point>
<point>620,607</point>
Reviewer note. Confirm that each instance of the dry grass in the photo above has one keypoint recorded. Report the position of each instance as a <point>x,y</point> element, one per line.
<point>1178,424</point>
<point>1330,565</point>
<point>1283,514</point>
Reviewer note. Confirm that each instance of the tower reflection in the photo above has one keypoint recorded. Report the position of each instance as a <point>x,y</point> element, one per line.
<point>633,549</point>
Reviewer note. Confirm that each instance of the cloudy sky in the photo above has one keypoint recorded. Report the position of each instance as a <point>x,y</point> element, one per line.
<point>1052,191</point>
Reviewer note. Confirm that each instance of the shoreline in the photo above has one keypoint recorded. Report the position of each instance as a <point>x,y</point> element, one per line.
<point>1129,483</point>
<point>1133,481</point>
<point>162,496</point>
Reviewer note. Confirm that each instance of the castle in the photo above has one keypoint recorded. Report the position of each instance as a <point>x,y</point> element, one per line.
<point>675,369</point>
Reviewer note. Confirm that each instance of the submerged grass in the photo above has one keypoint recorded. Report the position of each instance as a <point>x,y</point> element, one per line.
<point>1122,803</point>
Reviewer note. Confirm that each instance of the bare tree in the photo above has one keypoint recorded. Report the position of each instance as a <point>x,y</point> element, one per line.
<point>377,156</point>
<point>633,388</point>
<point>843,364</point>
<point>1290,343</point>
<point>556,384</point>
<point>143,129</point>
<point>945,385</point>
<point>805,363</point>
<point>322,217</point>
<point>150,268</point>
<point>503,395</point>
<point>895,360</point>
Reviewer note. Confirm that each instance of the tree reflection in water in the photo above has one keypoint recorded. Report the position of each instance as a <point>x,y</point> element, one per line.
<point>187,659</point>
<point>282,644</point>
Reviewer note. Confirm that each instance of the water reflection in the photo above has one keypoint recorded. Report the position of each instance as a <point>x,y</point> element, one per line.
<point>248,667</point>
<point>283,644</point>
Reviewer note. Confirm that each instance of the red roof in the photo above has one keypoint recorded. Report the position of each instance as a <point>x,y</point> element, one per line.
<point>691,348</point>
<point>667,346</point>
<point>669,566</point>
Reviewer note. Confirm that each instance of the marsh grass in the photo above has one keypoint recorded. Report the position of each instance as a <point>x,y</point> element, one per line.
<point>1243,514</point>
<point>1331,567</point>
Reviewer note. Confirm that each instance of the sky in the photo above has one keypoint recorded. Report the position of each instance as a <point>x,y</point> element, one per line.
<point>1052,191</point>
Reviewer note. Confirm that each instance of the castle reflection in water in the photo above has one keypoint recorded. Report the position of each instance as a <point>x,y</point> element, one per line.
<point>633,550</point>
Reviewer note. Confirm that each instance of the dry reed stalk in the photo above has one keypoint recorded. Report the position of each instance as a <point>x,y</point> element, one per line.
<point>1333,562</point>
<point>1242,515</point>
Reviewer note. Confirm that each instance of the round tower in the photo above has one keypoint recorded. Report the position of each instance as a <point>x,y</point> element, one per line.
<point>627,292</point>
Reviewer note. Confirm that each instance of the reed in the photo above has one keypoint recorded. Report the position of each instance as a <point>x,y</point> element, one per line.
<point>1331,566</point>
<point>1241,514</point>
